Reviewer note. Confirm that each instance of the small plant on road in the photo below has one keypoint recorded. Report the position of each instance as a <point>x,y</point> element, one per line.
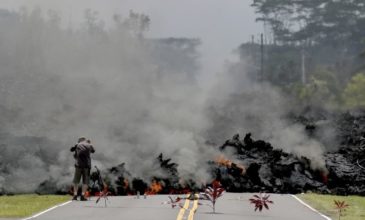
<point>103,194</point>
<point>341,207</point>
<point>174,202</point>
<point>213,193</point>
<point>261,201</point>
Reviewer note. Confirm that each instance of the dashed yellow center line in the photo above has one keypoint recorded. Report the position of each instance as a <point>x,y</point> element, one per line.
<point>182,210</point>
<point>195,207</point>
<point>192,211</point>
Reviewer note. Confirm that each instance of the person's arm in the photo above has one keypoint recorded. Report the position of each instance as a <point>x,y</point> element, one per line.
<point>92,150</point>
<point>73,148</point>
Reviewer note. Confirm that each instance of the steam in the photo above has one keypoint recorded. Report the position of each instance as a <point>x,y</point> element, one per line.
<point>106,85</point>
<point>58,84</point>
<point>239,105</point>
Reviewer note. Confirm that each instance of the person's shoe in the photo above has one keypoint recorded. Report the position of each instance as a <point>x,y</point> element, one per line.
<point>74,198</point>
<point>82,198</point>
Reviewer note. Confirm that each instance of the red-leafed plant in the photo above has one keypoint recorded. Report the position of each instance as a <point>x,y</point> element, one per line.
<point>174,202</point>
<point>341,207</point>
<point>261,201</point>
<point>213,193</point>
<point>103,194</point>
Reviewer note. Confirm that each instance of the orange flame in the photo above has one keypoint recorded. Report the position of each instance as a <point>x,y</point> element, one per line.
<point>154,188</point>
<point>104,192</point>
<point>87,194</point>
<point>221,160</point>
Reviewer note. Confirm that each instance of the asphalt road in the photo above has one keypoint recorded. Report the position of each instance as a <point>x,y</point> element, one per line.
<point>229,207</point>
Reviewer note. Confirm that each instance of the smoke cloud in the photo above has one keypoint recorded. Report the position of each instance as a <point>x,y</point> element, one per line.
<point>112,86</point>
<point>133,97</point>
<point>239,105</point>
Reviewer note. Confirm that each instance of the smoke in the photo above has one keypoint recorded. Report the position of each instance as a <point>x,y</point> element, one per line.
<point>133,97</point>
<point>239,105</point>
<point>108,85</point>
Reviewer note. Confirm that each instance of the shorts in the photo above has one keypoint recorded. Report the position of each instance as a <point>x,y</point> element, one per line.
<point>82,172</point>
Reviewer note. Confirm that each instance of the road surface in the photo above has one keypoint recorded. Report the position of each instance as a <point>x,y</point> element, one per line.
<point>231,206</point>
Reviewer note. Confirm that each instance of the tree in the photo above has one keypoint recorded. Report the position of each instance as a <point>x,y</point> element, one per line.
<point>323,89</point>
<point>354,93</point>
<point>178,55</point>
<point>92,22</point>
<point>362,58</point>
<point>54,18</point>
<point>330,32</point>
<point>137,23</point>
<point>313,21</point>
<point>278,14</point>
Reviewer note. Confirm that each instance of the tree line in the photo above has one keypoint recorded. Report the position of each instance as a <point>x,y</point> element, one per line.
<point>313,49</point>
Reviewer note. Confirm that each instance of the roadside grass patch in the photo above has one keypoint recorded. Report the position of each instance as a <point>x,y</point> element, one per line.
<point>25,205</point>
<point>326,205</point>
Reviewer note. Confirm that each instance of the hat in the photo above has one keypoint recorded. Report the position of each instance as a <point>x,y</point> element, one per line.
<point>81,139</point>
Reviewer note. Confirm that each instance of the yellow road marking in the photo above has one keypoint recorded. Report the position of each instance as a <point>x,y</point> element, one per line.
<point>182,210</point>
<point>195,207</point>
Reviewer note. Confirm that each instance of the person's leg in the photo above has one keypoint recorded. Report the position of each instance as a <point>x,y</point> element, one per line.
<point>76,181</point>
<point>85,182</point>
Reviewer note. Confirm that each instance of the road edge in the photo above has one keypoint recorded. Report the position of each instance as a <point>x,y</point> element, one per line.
<point>310,207</point>
<point>41,213</point>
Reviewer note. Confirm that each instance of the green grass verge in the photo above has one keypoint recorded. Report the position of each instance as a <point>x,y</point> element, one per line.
<point>325,204</point>
<point>25,205</point>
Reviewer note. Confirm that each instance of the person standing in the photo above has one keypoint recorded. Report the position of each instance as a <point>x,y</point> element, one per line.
<point>82,151</point>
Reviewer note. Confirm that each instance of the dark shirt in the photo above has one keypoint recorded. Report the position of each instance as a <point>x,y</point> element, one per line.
<point>82,154</point>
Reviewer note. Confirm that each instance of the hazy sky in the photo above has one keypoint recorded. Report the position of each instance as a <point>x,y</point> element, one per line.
<point>221,24</point>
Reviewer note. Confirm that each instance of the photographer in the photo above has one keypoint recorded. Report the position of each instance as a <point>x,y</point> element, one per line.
<point>82,165</point>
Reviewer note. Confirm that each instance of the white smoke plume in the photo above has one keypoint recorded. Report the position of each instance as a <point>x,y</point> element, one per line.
<point>108,85</point>
<point>133,97</point>
<point>239,105</point>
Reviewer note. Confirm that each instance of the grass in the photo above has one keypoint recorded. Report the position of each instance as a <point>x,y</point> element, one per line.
<point>25,205</point>
<point>325,204</point>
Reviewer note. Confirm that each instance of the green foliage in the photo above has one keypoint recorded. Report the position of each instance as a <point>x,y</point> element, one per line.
<point>341,207</point>
<point>314,20</point>
<point>322,89</point>
<point>283,65</point>
<point>324,204</point>
<point>354,93</point>
<point>26,205</point>
<point>329,31</point>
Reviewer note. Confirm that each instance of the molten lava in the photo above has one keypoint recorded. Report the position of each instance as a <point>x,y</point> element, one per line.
<point>154,188</point>
<point>223,161</point>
